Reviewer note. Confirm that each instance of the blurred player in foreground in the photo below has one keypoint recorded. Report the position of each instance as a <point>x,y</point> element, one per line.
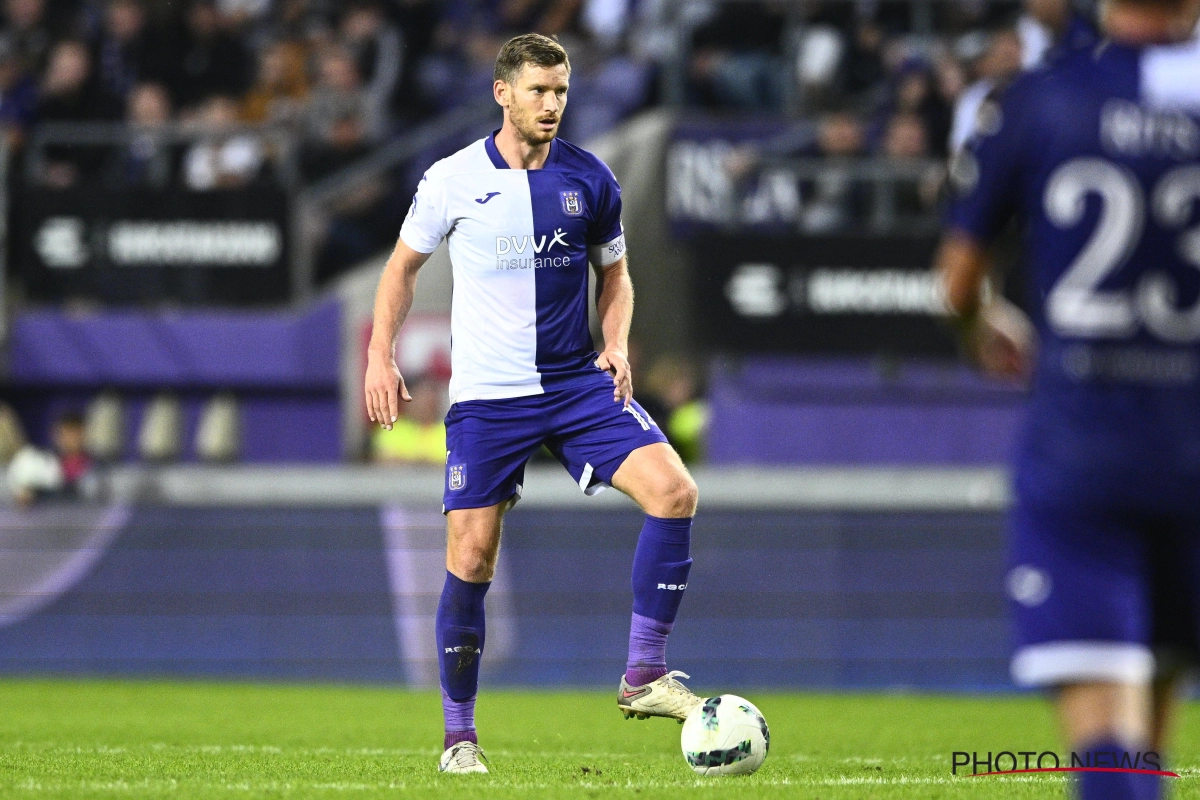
<point>1098,155</point>
<point>525,213</point>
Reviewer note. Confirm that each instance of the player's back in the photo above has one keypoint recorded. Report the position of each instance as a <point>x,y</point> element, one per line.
<point>1100,155</point>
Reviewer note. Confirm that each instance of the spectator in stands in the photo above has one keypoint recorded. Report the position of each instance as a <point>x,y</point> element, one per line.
<point>345,142</point>
<point>906,140</point>
<point>673,381</point>
<point>297,22</point>
<point>12,434</point>
<point>239,14</point>
<point>862,76</point>
<point>461,69</point>
<point>281,89</point>
<point>31,473</point>
<point>833,200</point>
<point>18,94</point>
<point>338,95</point>
<point>355,229</point>
<point>68,94</point>
<point>126,52</point>
<point>338,132</point>
<point>999,64</point>
<point>223,159</point>
<point>916,93</point>
<point>69,447</point>
<point>417,21</point>
<point>374,44</point>
<point>28,29</point>
<point>648,399</point>
<point>34,474</point>
<point>211,62</point>
<point>148,160</point>
<point>419,435</point>
<point>606,22</point>
<point>951,82</point>
<point>548,17</point>
<point>736,58</point>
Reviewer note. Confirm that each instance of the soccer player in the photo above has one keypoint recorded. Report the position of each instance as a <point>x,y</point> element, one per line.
<point>525,213</point>
<point>1098,154</point>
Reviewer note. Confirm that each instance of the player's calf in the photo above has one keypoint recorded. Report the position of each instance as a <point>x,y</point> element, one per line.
<point>460,638</point>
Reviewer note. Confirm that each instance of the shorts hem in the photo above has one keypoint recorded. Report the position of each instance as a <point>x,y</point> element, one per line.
<point>1054,663</point>
<point>606,467</point>
<point>459,504</point>
<point>587,486</point>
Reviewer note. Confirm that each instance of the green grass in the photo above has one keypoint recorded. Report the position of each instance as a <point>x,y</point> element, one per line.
<point>88,739</point>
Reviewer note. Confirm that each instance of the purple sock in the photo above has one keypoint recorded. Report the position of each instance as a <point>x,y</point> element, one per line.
<point>660,573</point>
<point>460,638</point>
<point>1115,785</point>
<point>647,650</point>
<point>460,721</point>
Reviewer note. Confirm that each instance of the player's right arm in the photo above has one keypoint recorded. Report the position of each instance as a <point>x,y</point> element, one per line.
<point>986,176</point>
<point>993,332</point>
<point>384,386</point>
<point>423,230</point>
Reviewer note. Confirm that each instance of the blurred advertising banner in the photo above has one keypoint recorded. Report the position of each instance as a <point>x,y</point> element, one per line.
<point>787,178</point>
<point>715,179</point>
<point>835,294</point>
<point>222,247</point>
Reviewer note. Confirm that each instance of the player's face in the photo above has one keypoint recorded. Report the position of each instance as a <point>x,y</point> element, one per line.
<point>535,101</point>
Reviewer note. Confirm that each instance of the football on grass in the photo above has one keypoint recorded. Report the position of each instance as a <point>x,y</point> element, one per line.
<point>725,735</point>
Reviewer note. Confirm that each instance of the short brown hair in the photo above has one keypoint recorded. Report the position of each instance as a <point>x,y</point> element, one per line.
<point>528,48</point>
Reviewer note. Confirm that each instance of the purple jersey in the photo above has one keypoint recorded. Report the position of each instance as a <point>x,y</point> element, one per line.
<point>1098,155</point>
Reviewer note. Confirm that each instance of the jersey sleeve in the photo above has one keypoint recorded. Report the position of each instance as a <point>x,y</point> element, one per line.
<point>606,235</point>
<point>427,222</point>
<point>985,174</point>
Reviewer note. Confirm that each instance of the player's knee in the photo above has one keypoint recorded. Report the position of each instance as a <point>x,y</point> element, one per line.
<point>682,496</point>
<point>473,565</point>
<point>472,562</point>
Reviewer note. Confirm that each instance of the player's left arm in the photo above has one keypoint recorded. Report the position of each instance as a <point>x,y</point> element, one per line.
<point>993,332</point>
<point>607,255</point>
<point>615,307</point>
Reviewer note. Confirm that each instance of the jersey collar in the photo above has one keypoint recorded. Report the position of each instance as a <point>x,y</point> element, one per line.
<point>489,144</point>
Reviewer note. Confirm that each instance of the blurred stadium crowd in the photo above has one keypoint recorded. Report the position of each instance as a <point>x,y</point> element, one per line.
<point>340,78</point>
<point>291,92</point>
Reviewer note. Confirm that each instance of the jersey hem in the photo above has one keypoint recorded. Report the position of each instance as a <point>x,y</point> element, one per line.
<point>497,393</point>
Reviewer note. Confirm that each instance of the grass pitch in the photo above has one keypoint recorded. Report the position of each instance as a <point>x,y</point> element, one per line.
<point>92,739</point>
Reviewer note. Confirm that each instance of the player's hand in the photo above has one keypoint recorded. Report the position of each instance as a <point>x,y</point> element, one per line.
<point>383,389</point>
<point>616,363</point>
<point>1002,341</point>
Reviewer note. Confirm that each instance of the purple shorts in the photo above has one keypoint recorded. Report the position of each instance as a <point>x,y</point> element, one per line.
<point>489,441</point>
<point>1107,594</point>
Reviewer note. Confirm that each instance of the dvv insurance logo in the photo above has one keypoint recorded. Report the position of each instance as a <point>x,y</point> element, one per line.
<point>976,764</point>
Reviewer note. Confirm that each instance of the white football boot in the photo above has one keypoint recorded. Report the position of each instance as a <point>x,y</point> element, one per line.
<point>462,758</point>
<point>665,697</point>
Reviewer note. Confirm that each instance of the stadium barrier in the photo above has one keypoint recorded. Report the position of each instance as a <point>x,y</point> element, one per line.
<point>819,578</point>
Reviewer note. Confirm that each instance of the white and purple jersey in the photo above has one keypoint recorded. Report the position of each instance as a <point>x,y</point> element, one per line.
<point>520,243</point>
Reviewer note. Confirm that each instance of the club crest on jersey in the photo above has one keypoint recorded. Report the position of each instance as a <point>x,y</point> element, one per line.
<point>458,477</point>
<point>571,203</point>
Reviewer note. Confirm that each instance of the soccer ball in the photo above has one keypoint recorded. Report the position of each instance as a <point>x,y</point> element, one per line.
<point>725,735</point>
